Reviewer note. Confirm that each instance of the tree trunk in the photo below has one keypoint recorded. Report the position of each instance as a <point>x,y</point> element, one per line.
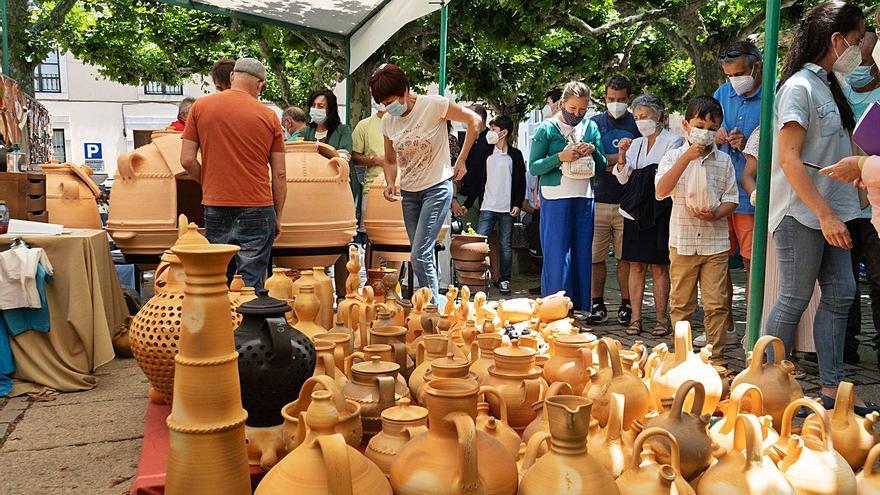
<point>707,72</point>
<point>20,68</point>
<point>360,91</point>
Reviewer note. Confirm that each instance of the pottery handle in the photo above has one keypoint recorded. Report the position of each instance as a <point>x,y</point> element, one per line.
<point>281,349</point>
<point>843,401</point>
<point>350,360</point>
<point>756,398</point>
<point>558,388</point>
<point>608,353</point>
<point>533,390</point>
<point>757,360</point>
<point>873,455</point>
<point>823,420</point>
<point>502,404</point>
<point>305,394</point>
<point>414,431</point>
<point>386,392</point>
<point>587,358</point>
<point>475,353</point>
<point>682,393</point>
<point>533,448</point>
<point>467,444</point>
<point>683,343</point>
<point>342,176</point>
<point>614,428</point>
<point>335,453</point>
<point>159,279</point>
<point>674,450</point>
<point>69,189</point>
<point>399,349</point>
<point>420,353</point>
<point>747,436</point>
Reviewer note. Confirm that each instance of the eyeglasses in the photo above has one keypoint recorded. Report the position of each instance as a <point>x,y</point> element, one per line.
<point>735,54</point>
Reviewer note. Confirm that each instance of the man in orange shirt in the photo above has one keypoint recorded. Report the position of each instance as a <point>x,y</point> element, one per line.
<point>240,140</point>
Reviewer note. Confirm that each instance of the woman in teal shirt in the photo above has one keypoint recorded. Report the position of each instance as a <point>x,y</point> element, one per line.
<point>559,144</point>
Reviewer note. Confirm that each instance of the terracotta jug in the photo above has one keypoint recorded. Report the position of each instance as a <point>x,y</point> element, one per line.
<point>868,481</point>
<point>451,366</point>
<point>469,334</point>
<point>567,468</point>
<point>327,296</point>
<point>690,428</point>
<point>325,362</point>
<point>853,435</point>
<point>279,284</point>
<point>392,297</point>
<point>645,476</point>
<point>319,287</point>
<point>342,346</point>
<point>682,365</point>
<point>611,378</point>
<point>609,445</point>
<point>414,320</point>
<point>399,425</point>
<point>499,430</point>
<point>71,196</point>
<point>541,421</point>
<point>778,387</point>
<point>349,411</point>
<point>571,361</point>
<point>237,283</point>
<point>553,307</point>
<point>453,457</point>
<point>347,309</point>
<point>744,469</point>
<point>516,310</point>
<point>722,432</point>
<point>207,451</point>
<point>323,463</point>
<point>376,385</point>
<point>394,336</point>
<point>519,380</point>
<point>374,280</point>
<point>430,318</point>
<point>383,351</point>
<point>306,307</point>
<point>811,464</point>
<point>430,348</point>
<point>483,354</point>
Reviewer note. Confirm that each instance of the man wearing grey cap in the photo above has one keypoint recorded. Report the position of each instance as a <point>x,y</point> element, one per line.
<point>241,140</point>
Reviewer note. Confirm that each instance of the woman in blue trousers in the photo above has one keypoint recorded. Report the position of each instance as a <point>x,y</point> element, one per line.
<point>560,157</point>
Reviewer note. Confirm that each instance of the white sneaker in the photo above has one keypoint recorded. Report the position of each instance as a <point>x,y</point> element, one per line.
<point>700,341</point>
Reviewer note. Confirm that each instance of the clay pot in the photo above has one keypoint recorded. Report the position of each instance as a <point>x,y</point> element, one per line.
<point>342,346</point>
<point>516,310</point>
<point>515,375</point>
<point>453,457</point>
<point>571,362</point>
<point>279,284</point>
<point>237,283</point>
<point>689,428</point>
<point>645,476</point>
<point>567,468</point>
<point>207,451</point>
<point>374,280</point>
<point>722,432</point>
<point>682,365</point>
<point>326,295</point>
<point>376,385</point>
<point>349,424</point>
<point>399,425</point>
<point>306,307</point>
<point>71,196</point>
<point>383,220</point>
<point>430,348</point>
<point>541,421</point>
<point>745,470</point>
<point>430,319</point>
<point>612,379</point>
<point>469,248</point>
<point>811,464</point>
<point>472,266</point>
<point>853,435</point>
<point>499,430</point>
<point>554,307</point>
<point>396,338</point>
<point>868,481</point>
<point>778,387</point>
<point>325,362</point>
<point>608,445</point>
<point>323,463</point>
<point>383,351</point>
<point>483,354</point>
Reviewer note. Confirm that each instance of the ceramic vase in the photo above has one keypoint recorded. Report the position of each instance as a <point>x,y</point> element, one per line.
<point>645,476</point>
<point>778,387</point>
<point>307,308</point>
<point>279,285</point>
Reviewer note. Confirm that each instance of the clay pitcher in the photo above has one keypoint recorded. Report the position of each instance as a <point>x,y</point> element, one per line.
<point>325,293</point>
<point>383,351</point>
<point>399,425</point>
<point>395,337</point>
<point>610,446</point>
<point>349,424</point>
<point>519,380</point>
<point>342,346</point>
<point>554,307</point>
<point>325,362</point>
<point>744,469</point>
<point>451,366</point>
<point>567,468</point>
<point>811,464</point>
<point>611,378</point>
<point>483,354</point>
<point>499,430</point>
<point>307,307</point>
<point>541,421</point>
<point>773,378</point>
<point>722,432</point>
<point>868,481</point>
<point>279,285</point>
<point>430,348</point>
<point>453,457</point>
<point>690,428</point>
<point>376,385</point>
<point>648,477</point>
<point>683,365</point>
<point>571,362</point>
<point>853,435</point>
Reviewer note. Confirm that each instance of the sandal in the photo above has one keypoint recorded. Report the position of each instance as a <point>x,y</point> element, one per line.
<point>661,329</point>
<point>634,328</point>
<point>797,372</point>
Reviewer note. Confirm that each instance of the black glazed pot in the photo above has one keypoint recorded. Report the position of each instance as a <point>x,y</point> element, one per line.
<point>274,359</point>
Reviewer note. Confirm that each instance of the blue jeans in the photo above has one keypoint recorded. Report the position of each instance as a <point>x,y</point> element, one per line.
<point>567,243</point>
<point>423,215</point>
<point>250,228</point>
<point>505,237</point>
<point>804,257</point>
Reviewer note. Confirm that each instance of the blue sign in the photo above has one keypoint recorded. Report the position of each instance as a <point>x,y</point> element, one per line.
<point>93,151</point>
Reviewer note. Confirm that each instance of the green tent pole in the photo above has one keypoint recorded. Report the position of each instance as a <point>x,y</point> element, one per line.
<point>5,37</point>
<point>765,157</point>
<point>444,22</point>
<point>348,81</point>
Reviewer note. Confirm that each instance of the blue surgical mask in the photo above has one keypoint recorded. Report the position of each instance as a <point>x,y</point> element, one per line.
<point>396,109</point>
<point>860,77</point>
<point>318,115</point>
<point>377,106</point>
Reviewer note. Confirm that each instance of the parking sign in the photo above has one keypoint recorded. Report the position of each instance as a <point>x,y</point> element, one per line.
<point>93,151</point>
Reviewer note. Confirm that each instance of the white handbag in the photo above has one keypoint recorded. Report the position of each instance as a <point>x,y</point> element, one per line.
<point>582,168</point>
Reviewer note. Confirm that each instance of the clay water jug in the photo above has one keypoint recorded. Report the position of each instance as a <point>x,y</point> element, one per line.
<point>868,481</point>
<point>722,432</point>
<point>399,425</point>
<point>498,429</point>
<point>324,463</point>
<point>279,284</point>
<point>453,457</point>
<point>811,464</point>
<point>609,445</point>
<point>745,469</point>
<point>611,378</point>
<point>450,366</point>
<point>567,468</point>
<point>778,387</point>
<point>516,310</point>
<point>342,346</point>
<point>349,424</point>
<point>383,351</point>
<point>483,354</point>
<point>682,365</point>
<point>325,293</point>
<point>71,196</point>
<point>395,336</point>
<point>645,476</point>
<point>430,348</point>
<point>237,283</point>
<point>553,307</point>
<point>689,428</point>
<point>325,362</point>
<point>519,381</point>
<point>307,307</point>
<point>571,361</point>
<point>374,280</point>
<point>853,435</point>
<point>541,421</point>
<point>376,385</point>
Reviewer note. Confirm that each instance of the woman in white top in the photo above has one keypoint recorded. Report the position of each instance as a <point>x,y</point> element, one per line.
<point>417,142</point>
<point>642,245</point>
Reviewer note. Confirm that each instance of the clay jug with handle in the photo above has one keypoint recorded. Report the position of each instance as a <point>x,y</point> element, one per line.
<point>683,365</point>
<point>778,387</point>
<point>611,378</point>
<point>376,385</point>
<point>645,476</point>
<point>399,425</point>
<point>609,445</point>
<point>541,421</point>
<point>745,469</point>
<point>744,397</point>
<point>483,354</point>
<point>868,481</point>
<point>568,467</point>
<point>349,423</point>
<point>325,293</point>
<point>571,362</point>
<point>453,457</point>
<point>394,336</point>
<point>853,435</point>
<point>498,429</point>
<point>519,380</point>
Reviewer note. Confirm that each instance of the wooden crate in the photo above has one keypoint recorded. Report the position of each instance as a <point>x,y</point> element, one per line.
<point>25,195</point>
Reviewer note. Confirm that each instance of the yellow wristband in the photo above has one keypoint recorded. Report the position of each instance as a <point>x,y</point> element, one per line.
<point>862,162</point>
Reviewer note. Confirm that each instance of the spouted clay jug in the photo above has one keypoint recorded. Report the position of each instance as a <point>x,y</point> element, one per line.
<point>519,380</point>
<point>868,481</point>
<point>349,413</point>
<point>611,378</point>
<point>778,387</point>
<point>682,365</point>
<point>853,435</point>
<point>645,476</point>
<point>722,432</point>
<point>571,361</point>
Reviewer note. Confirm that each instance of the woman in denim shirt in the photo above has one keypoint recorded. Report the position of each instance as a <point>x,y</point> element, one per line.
<point>808,210</point>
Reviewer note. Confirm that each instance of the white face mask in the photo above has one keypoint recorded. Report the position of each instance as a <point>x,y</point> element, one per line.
<point>617,109</point>
<point>547,112</point>
<point>702,136</point>
<point>876,54</point>
<point>848,60</point>
<point>647,127</point>
<point>743,84</point>
<point>492,137</point>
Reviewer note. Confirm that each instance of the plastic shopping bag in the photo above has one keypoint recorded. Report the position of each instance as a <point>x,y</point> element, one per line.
<point>696,188</point>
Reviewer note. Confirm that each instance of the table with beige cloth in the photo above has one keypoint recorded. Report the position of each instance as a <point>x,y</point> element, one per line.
<point>86,308</point>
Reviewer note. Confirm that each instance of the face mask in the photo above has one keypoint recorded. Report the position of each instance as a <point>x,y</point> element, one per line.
<point>377,106</point>
<point>396,108</point>
<point>492,137</point>
<point>860,77</point>
<point>743,84</point>
<point>647,127</point>
<point>547,112</point>
<point>702,136</point>
<point>876,54</point>
<point>570,118</point>
<point>848,60</point>
<point>318,115</point>
<point>616,109</point>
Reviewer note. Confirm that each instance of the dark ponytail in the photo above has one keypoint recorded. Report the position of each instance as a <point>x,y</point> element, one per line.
<point>812,39</point>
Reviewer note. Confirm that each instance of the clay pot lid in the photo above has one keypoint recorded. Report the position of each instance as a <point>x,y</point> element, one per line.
<point>375,366</point>
<point>576,339</point>
<point>450,362</point>
<point>263,305</point>
<point>514,350</point>
<point>190,235</point>
<point>405,412</point>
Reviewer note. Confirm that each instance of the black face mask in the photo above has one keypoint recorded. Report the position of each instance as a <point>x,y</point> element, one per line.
<point>571,119</point>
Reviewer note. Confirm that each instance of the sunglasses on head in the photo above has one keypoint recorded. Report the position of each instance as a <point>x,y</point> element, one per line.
<point>735,54</point>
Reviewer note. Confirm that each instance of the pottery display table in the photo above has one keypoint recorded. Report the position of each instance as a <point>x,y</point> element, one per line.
<point>86,307</point>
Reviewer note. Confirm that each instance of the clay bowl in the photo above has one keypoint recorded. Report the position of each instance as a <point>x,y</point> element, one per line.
<point>472,266</point>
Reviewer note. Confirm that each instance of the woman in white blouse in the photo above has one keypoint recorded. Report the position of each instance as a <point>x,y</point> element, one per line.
<point>646,242</point>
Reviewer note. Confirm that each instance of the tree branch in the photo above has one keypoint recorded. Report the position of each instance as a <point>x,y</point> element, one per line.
<point>273,61</point>
<point>55,18</point>
<point>756,22</point>
<point>627,50</point>
<point>321,47</point>
<point>626,21</point>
